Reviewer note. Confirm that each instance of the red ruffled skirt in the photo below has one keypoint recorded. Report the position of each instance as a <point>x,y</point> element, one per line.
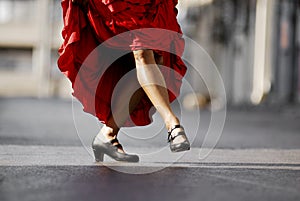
<point>119,27</point>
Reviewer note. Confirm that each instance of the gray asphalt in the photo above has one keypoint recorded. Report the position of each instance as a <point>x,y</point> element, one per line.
<point>101,183</point>
<point>51,122</point>
<point>256,157</point>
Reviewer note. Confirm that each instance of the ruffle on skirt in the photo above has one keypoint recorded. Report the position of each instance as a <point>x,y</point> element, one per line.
<point>86,65</point>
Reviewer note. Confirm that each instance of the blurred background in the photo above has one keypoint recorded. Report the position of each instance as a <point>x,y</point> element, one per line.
<point>254,43</point>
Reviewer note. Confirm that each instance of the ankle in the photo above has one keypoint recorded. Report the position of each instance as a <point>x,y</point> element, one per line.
<point>171,122</point>
<point>107,133</point>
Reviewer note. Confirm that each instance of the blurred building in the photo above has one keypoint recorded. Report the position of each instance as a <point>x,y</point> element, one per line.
<point>254,43</point>
<point>29,39</point>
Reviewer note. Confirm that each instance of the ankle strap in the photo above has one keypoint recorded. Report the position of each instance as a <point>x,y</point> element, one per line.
<point>113,141</point>
<point>170,137</point>
<point>176,126</point>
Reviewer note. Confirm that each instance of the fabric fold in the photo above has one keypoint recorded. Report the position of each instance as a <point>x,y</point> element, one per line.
<point>92,74</point>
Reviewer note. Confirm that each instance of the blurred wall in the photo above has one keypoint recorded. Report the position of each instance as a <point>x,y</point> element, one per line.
<point>254,44</point>
<point>29,39</point>
<point>285,51</point>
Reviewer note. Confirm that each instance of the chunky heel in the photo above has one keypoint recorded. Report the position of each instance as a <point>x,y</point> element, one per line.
<point>111,149</point>
<point>98,156</point>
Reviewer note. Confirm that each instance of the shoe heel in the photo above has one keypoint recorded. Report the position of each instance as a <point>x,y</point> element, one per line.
<point>98,156</point>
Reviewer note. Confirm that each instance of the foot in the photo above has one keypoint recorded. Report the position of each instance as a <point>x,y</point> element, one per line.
<point>101,148</point>
<point>107,134</point>
<point>177,139</point>
<point>170,125</point>
<point>180,138</point>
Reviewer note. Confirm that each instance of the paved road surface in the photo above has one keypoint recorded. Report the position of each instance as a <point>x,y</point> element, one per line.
<point>51,122</point>
<point>42,158</point>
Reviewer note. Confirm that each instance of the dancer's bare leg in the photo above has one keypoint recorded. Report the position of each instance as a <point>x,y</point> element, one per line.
<point>120,107</point>
<point>153,83</point>
<point>121,111</point>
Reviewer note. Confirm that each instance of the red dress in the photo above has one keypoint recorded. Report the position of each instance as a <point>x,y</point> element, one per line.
<point>102,20</point>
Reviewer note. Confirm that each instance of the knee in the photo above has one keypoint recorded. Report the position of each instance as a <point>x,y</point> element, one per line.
<point>143,56</point>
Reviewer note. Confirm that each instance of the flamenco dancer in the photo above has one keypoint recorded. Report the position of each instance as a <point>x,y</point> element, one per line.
<point>88,24</point>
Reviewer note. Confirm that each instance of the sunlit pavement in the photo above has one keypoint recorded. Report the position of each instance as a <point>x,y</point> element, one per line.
<point>42,158</point>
